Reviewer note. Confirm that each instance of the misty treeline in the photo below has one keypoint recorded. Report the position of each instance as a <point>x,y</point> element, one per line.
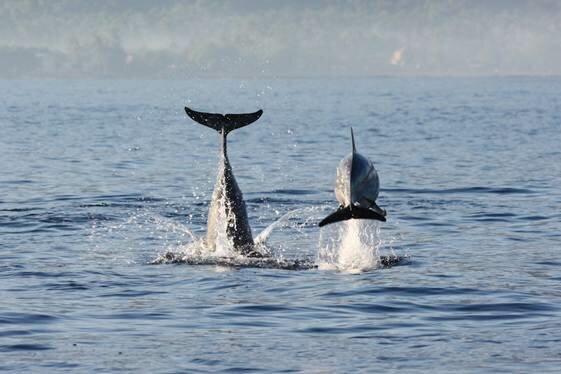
<point>149,39</point>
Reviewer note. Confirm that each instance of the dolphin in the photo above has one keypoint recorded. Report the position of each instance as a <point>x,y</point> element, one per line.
<point>356,188</point>
<point>227,206</point>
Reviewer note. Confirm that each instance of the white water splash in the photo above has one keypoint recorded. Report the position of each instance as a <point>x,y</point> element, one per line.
<point>137,237</point>
<point>281,222</point>
<point>350,246</point>
<point>224,246</point>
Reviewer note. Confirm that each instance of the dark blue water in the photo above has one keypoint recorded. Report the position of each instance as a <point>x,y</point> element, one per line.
<point>98,178</point>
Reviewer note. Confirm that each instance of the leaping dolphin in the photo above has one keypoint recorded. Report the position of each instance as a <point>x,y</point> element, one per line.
<point>227,195</point>
<point>356,189</point>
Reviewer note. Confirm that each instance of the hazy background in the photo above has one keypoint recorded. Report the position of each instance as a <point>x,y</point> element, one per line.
<point>251,38</point>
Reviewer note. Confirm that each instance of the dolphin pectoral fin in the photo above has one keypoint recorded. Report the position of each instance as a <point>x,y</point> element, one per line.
<point>341,214</point>
<point>365,213</point>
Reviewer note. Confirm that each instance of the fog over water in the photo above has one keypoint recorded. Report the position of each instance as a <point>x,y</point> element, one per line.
<point>185,39</point>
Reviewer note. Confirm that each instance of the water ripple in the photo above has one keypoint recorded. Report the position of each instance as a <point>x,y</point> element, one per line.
<point>24,347</point>
<point>25,318</point>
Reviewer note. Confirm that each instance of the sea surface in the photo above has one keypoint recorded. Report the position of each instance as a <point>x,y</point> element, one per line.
<point>99,179</point>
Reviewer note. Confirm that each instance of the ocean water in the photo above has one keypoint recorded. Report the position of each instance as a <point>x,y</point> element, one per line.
<point>99,179</point>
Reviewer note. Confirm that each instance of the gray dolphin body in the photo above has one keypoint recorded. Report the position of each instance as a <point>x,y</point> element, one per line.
<point>356,188</point>
<point>227,205</point>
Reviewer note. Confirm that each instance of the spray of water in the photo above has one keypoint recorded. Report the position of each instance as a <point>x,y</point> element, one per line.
<point>137,237</point>
<point>305,216</point>
<point>350,246</point>
<point>224,246</point>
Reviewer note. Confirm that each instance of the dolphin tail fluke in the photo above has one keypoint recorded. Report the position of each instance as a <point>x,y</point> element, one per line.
<point>356,212</point>
<point>365,213</point>
<point>341,214</point>
<point>378,210</point>
<point>223,123</point>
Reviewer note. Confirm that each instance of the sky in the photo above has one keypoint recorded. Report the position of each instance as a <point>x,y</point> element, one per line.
<point>134,39</point>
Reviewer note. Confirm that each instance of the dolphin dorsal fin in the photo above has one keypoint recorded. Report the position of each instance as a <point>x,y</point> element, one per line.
<point>353,139</point>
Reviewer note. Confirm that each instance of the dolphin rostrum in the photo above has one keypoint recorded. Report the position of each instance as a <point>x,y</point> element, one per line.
<point>227,206</point>
<point>356,189</point>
